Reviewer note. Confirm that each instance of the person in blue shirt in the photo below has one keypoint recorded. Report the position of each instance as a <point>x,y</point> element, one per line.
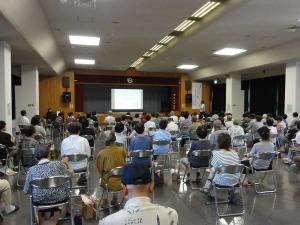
<point>162,135</point>
<point>140,142</point>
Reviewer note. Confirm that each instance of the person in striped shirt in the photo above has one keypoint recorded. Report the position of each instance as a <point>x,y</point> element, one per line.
<point>225,156</point>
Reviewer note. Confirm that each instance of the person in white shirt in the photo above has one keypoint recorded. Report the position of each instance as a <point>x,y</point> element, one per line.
<point>23,120</point>
<point>273,130</point>
<point>174,117</point>
<point>150,126</point>
<point>74,144</point>
<point>120,135</point>
<point>236,130</point>
<point>109,119</point>
<point>229,122</point>
<point>137,186</point>
<point>172,126</point>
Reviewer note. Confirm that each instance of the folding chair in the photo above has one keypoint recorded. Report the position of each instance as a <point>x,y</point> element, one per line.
<point>143,154</point>
<point>78,173</point>
<point>202,155</point>
<point>115,172</point>
<point>26,161</point>
<point>229,169</point>
<point>239,139</point>
<point>46,183</point>
<point>267,156</point>
<point>165,157</point>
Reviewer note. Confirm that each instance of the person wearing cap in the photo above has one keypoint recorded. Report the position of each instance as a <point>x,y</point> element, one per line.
<point>44,169</point>
<point>137,186</point>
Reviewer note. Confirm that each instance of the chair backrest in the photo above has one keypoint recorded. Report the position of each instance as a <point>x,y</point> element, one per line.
<point>265,155</point>
<point>76,157</point>
<point>141,153</point>
<point>273,136</point>
<point>118,144</point>
<point>152,128</point>
<point>241,151</point>
<point>3,152</point>
<point>201,153</point>
<point>174,132</point>
<point>231,169</point>
<point>115,172</point>
<point>90,139</point>
<point>27,157</point>
<point>239,137</point>
<point>50,182</point>
<point>184,129</point>
<point>161,142</point>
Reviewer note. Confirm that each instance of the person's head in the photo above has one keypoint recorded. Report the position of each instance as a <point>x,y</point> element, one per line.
<point>279,118</point>
<point>136,181</point>
<point>264,133</point>
<point>23,113</point>
<point>42,152</point>
<point>258,118</point>
<point>236,122</point>
<point>74,128</point>
<point>109,137</point>
<point>136,115</point>
<point>88,115</point>
<point>186,115</point>
<point>229,118</point>
<point>61,114</point>
<point>200,116</point>
<point>156,115</point>
<point>49,110</point>
<point>163,124</point>
<point>35,120</point>
<point>295,114</point>
<point>109,112</point>
<point>252,116</point>
<point>170,119</point>
<point>94,113</point>
<point>84,122</point>
<point>202,102</point>
<point>201,132</point>
<point>284,116</point>
<point>265,116</point>
<point>224,141</point>
<point>123,117</point>
<point>29,131</point>
<point>70,114</point>
<point>139,128</point>
<point>270,122</point>
<point>194,119</point>
<point>245,115</point>
<point>119,128</point>
<point>148,117</point>
<point>172,113</point>
<point>2,125</point>
<point>217,124</point>
<point>118,120</point>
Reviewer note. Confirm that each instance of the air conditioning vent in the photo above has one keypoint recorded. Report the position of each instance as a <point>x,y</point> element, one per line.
<point>85,3</point>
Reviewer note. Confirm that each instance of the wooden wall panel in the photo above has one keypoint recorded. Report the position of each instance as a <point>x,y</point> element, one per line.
<point>51,89</point>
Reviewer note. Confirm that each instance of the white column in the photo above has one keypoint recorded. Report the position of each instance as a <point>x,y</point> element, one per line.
<point>27,95</point>
<point>292,88</point>
<point>5,85</point>
<point>234,96</point>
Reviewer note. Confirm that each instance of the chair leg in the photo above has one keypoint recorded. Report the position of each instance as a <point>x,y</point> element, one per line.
<point>71,212</point>
<point>18,177</point>
<point>31,211</point>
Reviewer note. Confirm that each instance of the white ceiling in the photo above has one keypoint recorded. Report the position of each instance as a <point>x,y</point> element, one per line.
<point>128,28</point>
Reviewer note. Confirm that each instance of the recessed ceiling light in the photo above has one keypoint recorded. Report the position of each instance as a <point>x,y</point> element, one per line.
<point>84,61</point>
<point>84,40</point>
<point>184,25</point>
<point>229,51</point>
<point>187,67</point>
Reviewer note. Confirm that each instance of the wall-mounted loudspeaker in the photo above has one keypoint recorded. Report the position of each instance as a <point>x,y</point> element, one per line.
<point>188,99</point>
<point>66,82</point>
<point>66,97</point>
<point>188,85</point>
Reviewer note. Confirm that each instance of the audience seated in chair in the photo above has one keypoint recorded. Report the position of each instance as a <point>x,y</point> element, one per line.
<point>121,138</point>
<point>109,158</point>
<point>70,118</point>
<point>86,130</point>
<point>225,156</point>
<point>162,135</point>
<point>29,141</point>
<point>193,128</point>
<point>150,126</point>
<point>137,186</point>
<point>39,130</point>
<point>8,141</point>
<point>201,144</point>
<point>235,131</point>
<point>213,138</point>
<point>140,142</point>
<point>109,119</point>
<point>74,144</point>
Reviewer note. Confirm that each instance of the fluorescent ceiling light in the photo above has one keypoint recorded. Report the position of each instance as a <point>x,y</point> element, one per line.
<point>187,67</point>
<point>84,61</point>
<point>137,62</point>
<point>184,25</point>
<point>209,6</point>
<point>148,54</point>
<point>229,51</point>
<point>84,40</point>
<point>155,48</point>
<point>166,39</point>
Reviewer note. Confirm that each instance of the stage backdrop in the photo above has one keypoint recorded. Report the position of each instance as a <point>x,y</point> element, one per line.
<point>97,97</point>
